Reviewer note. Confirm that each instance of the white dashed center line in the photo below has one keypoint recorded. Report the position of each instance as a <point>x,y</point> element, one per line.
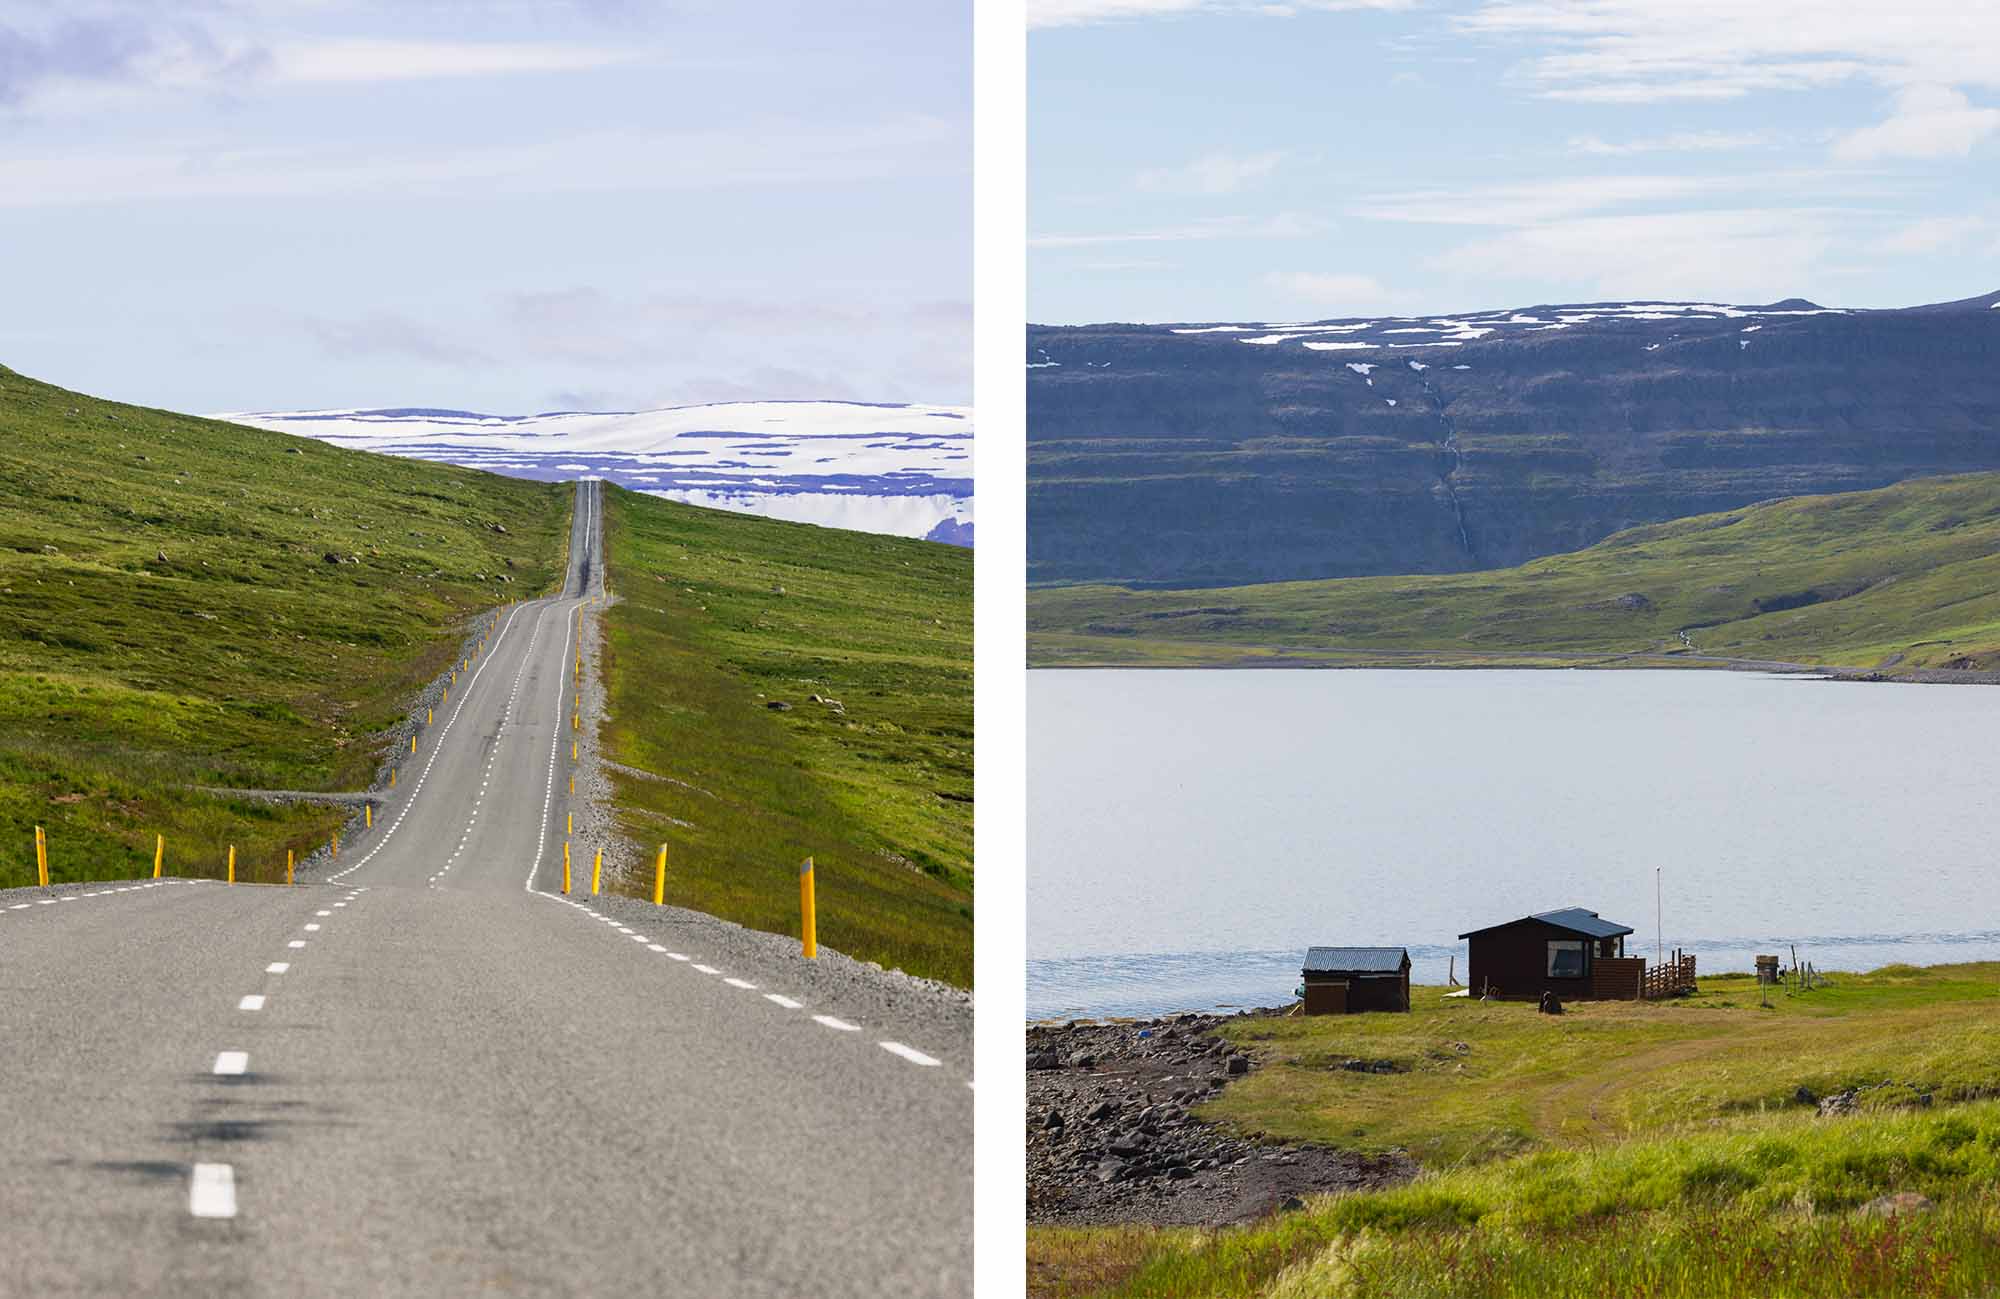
<point>277,967</point>
<point>212,1191</point>
<point>838,1024</point>
<point>784,1001</point>
<point>231,1063</point>
<point>910,1053</point>
<point>255,1001</point>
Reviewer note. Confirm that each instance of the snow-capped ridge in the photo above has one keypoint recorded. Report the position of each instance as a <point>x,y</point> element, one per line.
<point>891,467</point>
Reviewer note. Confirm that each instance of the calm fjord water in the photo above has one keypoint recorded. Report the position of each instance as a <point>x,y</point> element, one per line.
<point>1192,832</point>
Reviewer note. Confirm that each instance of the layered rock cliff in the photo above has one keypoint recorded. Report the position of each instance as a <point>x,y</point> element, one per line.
<point>1199,455</point>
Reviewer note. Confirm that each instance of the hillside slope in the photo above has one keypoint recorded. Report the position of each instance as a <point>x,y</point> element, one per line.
<point>1223,454</point>
<point>1900,577</point>
<point>189,603</point>
<point>780,691</point>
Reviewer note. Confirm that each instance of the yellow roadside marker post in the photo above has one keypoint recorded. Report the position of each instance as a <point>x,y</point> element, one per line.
<point>159,853</point>
<point>368,816</point>
<point>428,717</point>
<point>288,866</point>
<point>809,938</point>
<point>660,878</point>
<point>392,777</point>
<point>596,872</point>
<point>335,851</point>
<point>572,750</point>
<point>569,823</point>
<point>232,863</point>
<point>413,744</point>
<point>42,856</point>
<point>572,782</point>
<point>565,867</point>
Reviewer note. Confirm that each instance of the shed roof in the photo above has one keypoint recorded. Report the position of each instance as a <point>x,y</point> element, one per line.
<point>1360,960</point>
<point>1575,919</point>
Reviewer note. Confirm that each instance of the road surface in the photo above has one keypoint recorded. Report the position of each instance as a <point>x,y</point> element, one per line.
<point>431,1074</point>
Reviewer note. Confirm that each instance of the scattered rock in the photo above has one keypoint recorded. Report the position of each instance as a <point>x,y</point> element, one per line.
<point>779,706</point>
<point>1805,1095</point>
<point>1840,1103</point>
<point>1896,1204</point>
<point>1128,1149</point>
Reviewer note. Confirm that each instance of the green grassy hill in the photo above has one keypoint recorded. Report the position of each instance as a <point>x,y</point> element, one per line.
<point>185,602</point>
<point>1660,1149</point>
<point>1903,577</point>
<point>721,616</point>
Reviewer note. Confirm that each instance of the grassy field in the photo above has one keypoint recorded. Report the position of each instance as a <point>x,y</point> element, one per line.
<point>1904,577</point>
<point>1756,1215</point>
<point>718,617</point>
<point>1652,1149</point>
<point>191,603</point>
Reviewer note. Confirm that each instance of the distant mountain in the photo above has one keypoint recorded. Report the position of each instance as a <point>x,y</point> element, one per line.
<point>1217,453</point>
<point>903,470</point>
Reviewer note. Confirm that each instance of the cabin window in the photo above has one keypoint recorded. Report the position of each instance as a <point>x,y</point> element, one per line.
<point>1565,959</point>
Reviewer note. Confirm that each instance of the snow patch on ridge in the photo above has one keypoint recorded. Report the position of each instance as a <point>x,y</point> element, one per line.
<point>898,469</point>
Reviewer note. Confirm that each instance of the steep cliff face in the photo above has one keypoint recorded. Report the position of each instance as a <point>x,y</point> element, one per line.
<point>1209,455</point>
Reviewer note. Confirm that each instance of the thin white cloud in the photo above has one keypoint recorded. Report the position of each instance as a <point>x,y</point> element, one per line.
<point>1929,122</point>
<point>1213,173</point>
<point>1343,290</point>
<point>349,61</point>
<point>1527,202</point>
<point>754,154</point>
<point>1081,13</point>
<point>1285,225</point>
<point>1641,51</point>
<point>1732,255</point>
<point>1935,234</point>
<point>1676,142</point>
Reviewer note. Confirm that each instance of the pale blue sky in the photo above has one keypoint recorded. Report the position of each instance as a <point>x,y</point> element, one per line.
<point>1237,160</point>
<point>503,206</point>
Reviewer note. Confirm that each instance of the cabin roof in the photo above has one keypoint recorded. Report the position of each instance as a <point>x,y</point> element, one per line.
<point>1575,919</point>
<point>1360,960</point>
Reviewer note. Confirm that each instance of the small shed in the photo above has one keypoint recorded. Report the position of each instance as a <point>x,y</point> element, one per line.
<point>1572,952</point>
<point>1343,980</point>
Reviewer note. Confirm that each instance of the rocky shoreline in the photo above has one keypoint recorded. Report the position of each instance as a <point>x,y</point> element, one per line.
<point>1111,1137</point>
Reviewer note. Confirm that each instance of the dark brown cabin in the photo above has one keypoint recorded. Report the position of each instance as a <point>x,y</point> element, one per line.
<point>1574,953</point>
<point>1343,980</point>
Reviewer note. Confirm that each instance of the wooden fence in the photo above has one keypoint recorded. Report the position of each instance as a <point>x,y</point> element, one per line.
<point>1671,978</point>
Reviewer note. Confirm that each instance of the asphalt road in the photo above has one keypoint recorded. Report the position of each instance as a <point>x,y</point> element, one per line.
<point>431,1074</point>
